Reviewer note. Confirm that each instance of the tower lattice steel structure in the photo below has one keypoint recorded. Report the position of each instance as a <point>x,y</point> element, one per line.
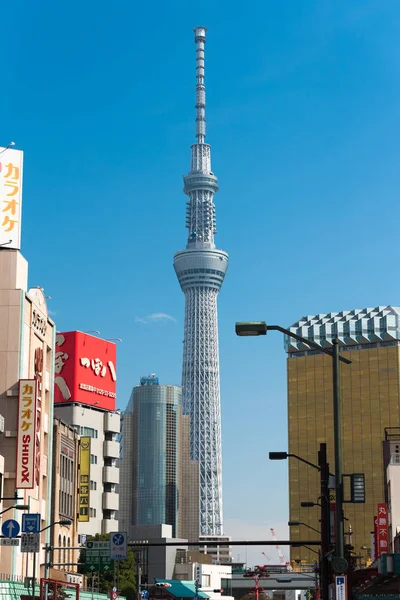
<point>201,270</point>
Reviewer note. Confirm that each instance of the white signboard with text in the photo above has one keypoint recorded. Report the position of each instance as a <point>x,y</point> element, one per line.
<point>340,581</point>
<point>10,197</point>
<point>26,444</point>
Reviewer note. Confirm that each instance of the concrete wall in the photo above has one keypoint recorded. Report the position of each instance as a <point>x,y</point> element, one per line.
<point>393,486</point>
<point>25,328</point>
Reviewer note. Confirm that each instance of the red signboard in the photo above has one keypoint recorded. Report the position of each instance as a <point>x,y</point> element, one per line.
<point>382,531</point>
<point>85,370</point>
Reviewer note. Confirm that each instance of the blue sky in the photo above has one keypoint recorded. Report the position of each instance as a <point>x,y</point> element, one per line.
<point>303,118</point>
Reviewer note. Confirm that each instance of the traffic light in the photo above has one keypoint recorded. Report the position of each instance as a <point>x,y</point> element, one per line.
<point>218,591</point>
<point>163,585</point>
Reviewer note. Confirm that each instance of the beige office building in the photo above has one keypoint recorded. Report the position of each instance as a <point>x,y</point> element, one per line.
<point>64,506</point>
<point>27,339</point>
<point>370,402</point>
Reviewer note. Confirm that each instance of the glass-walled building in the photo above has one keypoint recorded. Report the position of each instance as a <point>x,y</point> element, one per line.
<point>155,467</point>
<point>370,401</point>
<point>154,461</point>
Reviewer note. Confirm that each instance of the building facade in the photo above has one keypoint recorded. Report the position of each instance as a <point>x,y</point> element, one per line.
<point>27,342</point>
<point>201,269</point>
<point>154,462</point>
<point>370,400</point>
<point>85,398</point>
<point>64,501</point>
<point>221,554</point>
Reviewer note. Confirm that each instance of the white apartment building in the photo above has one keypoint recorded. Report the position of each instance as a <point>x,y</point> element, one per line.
<point>103,428</point>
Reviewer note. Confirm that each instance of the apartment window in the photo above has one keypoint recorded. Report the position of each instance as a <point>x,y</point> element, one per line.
<point>93,459</point>
<point>87,431</point>
<point>64,552</point>
<point>93,485</point>
<point>92,512</point>
<point>109,487</point>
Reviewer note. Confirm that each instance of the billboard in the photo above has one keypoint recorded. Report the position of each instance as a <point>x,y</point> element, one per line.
<point>26,428</point>
<point>85,370</point>
<point>382,531</point>
<point>84,479</point>
<point>10,197</point>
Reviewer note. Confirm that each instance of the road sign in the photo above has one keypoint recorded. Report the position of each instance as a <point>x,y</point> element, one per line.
<point>119,545</point>
<point>10,528</point>
<point>9,542</point>
<point>97,556</point>
<point>30,542</point>
<point>144,594</point>
<point>340,581</point>
<point>31,523</point>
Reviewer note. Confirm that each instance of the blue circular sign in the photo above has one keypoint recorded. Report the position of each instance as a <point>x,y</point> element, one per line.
<point>10,528</point>
<point>118,539</point>
<point>144,594</point>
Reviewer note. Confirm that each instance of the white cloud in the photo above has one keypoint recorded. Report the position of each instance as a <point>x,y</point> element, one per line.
<point>155,318</point>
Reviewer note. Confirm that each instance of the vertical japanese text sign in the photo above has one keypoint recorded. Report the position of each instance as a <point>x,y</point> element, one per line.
<point>382,530</point>
<point>10,197</point>
<point>26,425</point>
<point>84,479</point>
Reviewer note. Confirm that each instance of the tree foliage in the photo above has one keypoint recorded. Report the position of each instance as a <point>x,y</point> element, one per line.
<point>123,572</point>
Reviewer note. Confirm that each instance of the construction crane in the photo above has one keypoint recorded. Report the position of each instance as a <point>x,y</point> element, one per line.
<point>267,558</point>
<point>282,559</point>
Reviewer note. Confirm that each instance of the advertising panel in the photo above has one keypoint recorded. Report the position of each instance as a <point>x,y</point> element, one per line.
<point>84,479</point>
<point>382,531</point>
<point>85,370</point>
<point>26,427</point>
<point>10,197</point>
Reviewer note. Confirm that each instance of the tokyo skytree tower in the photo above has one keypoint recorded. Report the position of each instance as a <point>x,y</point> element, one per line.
<point>201,270</point>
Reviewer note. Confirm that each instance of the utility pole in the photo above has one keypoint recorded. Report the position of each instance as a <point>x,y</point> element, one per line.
<point>325,527</point>
<point>341,564</point>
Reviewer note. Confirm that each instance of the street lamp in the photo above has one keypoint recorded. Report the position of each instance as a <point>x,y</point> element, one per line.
<point>17,507</point>
<point>47,556</point>
<point>254,328</point>
<point>297,523</point>
<point>323,468</point>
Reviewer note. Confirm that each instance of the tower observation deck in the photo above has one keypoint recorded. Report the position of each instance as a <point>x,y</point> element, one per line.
<point>201,270</point>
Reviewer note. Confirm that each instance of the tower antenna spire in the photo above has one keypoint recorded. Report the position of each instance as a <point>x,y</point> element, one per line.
<point>201,269</point>
<point>200,39</point>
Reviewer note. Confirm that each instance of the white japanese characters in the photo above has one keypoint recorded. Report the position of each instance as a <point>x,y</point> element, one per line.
<point>99,368</point>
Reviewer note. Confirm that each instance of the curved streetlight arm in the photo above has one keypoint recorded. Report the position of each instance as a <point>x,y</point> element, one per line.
<point>303,460</point>
<point>305,341</point>
<point>18,507</point>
